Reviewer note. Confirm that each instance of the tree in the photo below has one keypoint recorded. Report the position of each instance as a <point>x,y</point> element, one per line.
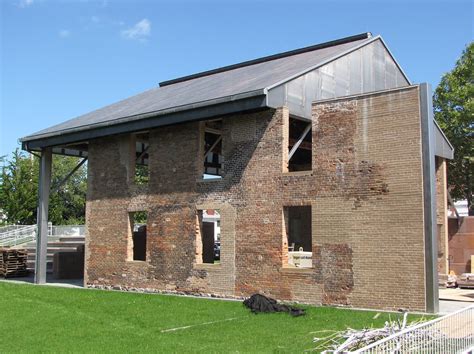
<point>454,111</point>
<point>19,190</point>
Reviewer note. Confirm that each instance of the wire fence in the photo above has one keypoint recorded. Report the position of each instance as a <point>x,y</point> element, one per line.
<point>453,333</point>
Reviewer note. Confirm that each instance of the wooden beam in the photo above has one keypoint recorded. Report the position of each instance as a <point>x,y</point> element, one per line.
<point>213,131</point>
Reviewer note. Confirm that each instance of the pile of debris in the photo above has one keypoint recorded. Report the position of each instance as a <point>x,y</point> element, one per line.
<point>13,263</point>
<point>352,339</point>
<point>258,303</point>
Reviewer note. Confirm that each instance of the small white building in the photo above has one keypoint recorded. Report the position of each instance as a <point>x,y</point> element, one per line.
<point>213,216</point>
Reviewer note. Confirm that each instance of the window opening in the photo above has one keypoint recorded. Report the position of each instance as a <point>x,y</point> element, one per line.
<point>138,222</point>
<point>208,236</point>
<point>300,145</point>
<point>213,158</point>
<point>142,145</point>
<point>298,236</point>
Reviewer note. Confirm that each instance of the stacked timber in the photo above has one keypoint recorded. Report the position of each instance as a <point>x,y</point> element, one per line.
<point>12,263</point>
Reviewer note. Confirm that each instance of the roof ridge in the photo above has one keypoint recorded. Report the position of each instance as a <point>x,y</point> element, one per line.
<point>268,58</point>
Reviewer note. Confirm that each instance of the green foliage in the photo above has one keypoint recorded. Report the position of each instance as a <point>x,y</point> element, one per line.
<point>454,111</point>
<point>139,217</point>
<point>141,174</point>
<point>19,190</point>
<point>67,205</point>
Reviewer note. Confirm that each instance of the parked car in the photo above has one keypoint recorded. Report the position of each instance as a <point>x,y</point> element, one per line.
<point>466,280</point>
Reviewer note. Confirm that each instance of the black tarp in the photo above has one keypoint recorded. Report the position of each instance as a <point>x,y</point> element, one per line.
<point>258,303</point>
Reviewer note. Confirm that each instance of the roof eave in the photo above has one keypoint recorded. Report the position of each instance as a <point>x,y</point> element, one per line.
<point>249,101</point>
<point>443,147</point>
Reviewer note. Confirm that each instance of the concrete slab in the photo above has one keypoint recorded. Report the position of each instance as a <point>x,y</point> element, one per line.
<point>447,307</point>
<point>465,295</point>
<point>50,280</point>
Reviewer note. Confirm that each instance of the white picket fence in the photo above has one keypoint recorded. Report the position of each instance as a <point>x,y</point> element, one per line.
<point>453,333</point>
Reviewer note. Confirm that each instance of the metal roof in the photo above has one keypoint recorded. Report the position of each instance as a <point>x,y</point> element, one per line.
<point>231,84</point>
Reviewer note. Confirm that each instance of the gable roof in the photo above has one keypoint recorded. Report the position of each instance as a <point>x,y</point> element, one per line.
<point>247,81</point>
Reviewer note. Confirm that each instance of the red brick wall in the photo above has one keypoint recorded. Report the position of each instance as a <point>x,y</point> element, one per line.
<point>365,192</point>
<point>461,244</point>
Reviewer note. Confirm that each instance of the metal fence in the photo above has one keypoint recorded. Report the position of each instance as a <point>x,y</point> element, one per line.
<point>4,229</point>
<point>19,234</point>
<point>68,230</point>
<point>453,333</point>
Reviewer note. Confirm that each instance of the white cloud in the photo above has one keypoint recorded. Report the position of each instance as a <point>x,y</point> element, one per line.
<point>64,33</point>
<point>25,3</point>
<point>140,31</point>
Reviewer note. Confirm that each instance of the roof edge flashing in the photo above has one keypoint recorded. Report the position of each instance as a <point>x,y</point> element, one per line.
<point>395,60</point>
<point>444,135</point>
<point>365,94</point>
<point>197,113</point>
<point>332,43</point>
<point>146,115</point>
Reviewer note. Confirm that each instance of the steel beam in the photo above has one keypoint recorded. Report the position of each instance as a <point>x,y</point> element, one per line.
<point>298,143</point>
<point>42,215</point>
<point>56,188</point>
<point>450,199</point>
<point>429,199</point>
<point>212,147</point>
<point>142,154</point>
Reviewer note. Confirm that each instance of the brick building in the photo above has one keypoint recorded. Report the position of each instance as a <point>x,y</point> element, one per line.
<point>323,165</point>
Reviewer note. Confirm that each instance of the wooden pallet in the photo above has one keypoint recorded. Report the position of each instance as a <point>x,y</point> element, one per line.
<point>13,263</point>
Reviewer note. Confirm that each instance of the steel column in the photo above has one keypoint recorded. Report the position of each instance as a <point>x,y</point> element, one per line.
<point>42,215</point>
<point>429,199</point>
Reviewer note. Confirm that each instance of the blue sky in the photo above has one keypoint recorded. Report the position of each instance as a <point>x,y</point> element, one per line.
<point>60,59</point>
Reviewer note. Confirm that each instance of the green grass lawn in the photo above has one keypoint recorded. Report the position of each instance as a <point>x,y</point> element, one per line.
<point>51,319</point>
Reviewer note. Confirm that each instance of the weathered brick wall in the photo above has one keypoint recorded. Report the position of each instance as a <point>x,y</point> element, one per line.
<point>364,190</point>
<point>442,215</point>
<point>371,206</point>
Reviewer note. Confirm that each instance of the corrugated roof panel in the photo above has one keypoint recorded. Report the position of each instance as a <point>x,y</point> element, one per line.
<point>365,69</point>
